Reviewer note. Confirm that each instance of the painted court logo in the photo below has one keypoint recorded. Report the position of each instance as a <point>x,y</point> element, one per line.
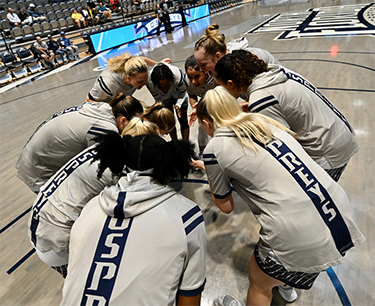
<point>358,19</point>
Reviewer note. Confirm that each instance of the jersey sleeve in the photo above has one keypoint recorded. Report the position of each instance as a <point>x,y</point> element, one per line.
<point>153,91</point>
<point>101,91</point>
<point>219,182</point>
<point>179,83</point>
<point>193,278</point>
<point>100,127</point>
<point>265,103</point>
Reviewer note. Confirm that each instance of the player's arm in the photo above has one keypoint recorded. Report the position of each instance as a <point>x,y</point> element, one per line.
<point>189,300</point>
<point>193,99</point>
<point>151,62</point>
<point>226,205</point>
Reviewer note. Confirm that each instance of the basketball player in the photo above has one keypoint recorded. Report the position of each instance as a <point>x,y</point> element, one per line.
<point>307,223</point>
<point>166,84</point>
<point>211,47</point>
<point>139,242</point>
<point>197,83</point>
<point>321,129</point>
<point>62,198</point>
<point>125,73</point>
<point>67,133</point>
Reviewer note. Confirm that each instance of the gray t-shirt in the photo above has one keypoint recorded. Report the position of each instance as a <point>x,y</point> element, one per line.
<point>177,92</point>
<point>322,130</point>
<point>60,138</point>
<point>108,85</point>
<point>305,217</point>
<point>62,198</point>
<point>199,91</point>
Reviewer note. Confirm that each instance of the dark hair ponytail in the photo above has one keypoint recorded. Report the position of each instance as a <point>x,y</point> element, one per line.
<point>169,160</point>
<point>111,149</point>
<point>126,106</point>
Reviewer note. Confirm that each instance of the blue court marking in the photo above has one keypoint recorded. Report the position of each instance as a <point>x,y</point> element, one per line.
<point>20,262</point>
<point>338,287</point>
<point>15,220</point>
<point>332,275</point>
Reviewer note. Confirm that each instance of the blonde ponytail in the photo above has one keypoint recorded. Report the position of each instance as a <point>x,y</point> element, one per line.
<point>127,64</point>
<point>224,110</point>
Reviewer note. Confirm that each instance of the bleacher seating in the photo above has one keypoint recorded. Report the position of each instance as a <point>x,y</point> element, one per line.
<point>58,18</point>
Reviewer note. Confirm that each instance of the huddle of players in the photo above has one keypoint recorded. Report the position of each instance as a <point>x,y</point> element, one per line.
<point>77,158</point>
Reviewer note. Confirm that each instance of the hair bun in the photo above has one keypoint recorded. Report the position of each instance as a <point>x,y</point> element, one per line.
<point>212,29</point>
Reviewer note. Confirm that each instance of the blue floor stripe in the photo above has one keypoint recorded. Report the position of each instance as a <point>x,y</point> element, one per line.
<point>338,287</point>
<point>20,262</point>
<point>15,220</point>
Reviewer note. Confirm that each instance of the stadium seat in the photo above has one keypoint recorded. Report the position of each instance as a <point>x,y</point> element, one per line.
<point>11,62</point>
<point>33,64</point>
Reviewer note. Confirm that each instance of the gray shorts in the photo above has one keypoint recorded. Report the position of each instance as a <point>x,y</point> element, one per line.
<point>272,267</point>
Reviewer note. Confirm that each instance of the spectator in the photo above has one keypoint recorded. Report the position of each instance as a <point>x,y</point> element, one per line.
<point>13,18</point>
<point>87,13</point>
<point>64,42</point>
<point>78,19</point>
<point>91,5</point>
<point>43,52</point>
<point>24,17</point>
<point>115,4</point>
<point>165,10</point>
<point>56,48</point>
<point>160,16</point>
<point>34,13</point>
<point>181,11</point>
<point>104,12</point>
<point>138,5</point>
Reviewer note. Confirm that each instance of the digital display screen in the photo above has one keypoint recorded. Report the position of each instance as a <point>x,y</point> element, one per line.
<point>115,37</point>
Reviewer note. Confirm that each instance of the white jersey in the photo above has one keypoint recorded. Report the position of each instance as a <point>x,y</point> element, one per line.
<point>177,90</point>
<point>108,85</point>
<point>193,90</point>
<point>305,217</point>
<point>322,130</point>
<point>243,44</point>
<point>61,137</point>
<point>139,242</point>
<point>62,198</point>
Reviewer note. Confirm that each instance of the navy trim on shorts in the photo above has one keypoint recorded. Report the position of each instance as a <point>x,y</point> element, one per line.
<point>295,279</point>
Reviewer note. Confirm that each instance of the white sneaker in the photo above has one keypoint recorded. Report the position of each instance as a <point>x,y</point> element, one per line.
<point>287,293</point>
<point>229,300</point>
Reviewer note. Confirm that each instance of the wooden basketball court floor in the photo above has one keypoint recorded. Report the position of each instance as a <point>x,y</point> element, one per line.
<point>341,66</point>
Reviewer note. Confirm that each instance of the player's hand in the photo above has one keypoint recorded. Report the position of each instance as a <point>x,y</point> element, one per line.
<point>178,110</point>
<point>166,60</point>
<point>199,164</point>
<point>192,117</point>
<point>245,106</point>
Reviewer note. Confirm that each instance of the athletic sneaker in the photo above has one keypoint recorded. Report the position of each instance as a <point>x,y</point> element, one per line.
<point>287,293</point>
<point>229,300</point>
